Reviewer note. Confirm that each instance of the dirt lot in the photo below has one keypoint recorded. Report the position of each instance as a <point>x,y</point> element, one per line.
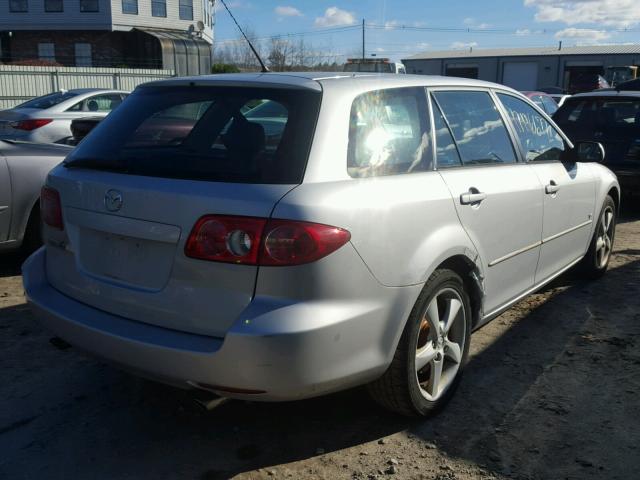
<point>551,392</point>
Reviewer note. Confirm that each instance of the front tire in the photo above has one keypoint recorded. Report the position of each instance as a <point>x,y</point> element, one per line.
<point>433,349</point>
<point>595,262</point>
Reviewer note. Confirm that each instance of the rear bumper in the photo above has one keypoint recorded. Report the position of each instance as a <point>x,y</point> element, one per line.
<point>269,349</point>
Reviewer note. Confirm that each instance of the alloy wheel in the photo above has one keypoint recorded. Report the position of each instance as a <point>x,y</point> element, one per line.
<point>604,239</point>
<point>440,343</point>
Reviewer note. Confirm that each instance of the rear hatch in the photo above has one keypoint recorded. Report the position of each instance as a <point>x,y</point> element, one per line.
<point>132,192</point>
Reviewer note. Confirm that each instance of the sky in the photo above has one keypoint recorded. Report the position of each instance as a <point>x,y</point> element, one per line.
<point>400,28</point>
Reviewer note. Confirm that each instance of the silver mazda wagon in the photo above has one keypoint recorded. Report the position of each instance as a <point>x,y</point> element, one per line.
<point>282,236</point>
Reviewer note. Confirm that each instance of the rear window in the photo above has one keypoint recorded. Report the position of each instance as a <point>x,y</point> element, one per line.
<point>47,101</point>
<point>243,135</point>
<point>599,113</point>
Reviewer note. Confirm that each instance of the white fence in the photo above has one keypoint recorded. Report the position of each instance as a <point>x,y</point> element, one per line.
<point>20,83</point>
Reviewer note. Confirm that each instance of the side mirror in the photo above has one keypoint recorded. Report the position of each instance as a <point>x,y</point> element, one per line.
<point>589,152</point>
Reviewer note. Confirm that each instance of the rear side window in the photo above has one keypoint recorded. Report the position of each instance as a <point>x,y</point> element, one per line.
<point>98,103</point>
<point>539,139</point>
<point>477,127</point>
<point>244,135</point>
<point>389,133</point>
<point>446,151</point>
<point>608,116</point>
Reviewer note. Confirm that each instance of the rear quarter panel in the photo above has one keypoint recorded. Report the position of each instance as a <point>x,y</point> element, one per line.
<point>28,168</point>
<point>403,226</point>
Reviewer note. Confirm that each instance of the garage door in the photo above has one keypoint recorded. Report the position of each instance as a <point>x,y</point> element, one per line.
<point>521,75</point>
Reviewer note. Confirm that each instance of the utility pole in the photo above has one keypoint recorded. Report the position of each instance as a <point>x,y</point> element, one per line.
<point>363,52</point>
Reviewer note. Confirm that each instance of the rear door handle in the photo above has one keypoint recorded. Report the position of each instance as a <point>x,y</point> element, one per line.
<point>469,198</point>
<point>551,188</point>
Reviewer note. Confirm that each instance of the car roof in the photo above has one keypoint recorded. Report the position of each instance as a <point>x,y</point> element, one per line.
<point>81,91</point>
<point>324,80</point>
<point>608,93</point>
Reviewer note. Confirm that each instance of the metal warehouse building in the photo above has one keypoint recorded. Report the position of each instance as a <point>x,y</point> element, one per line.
<point>525,68</point>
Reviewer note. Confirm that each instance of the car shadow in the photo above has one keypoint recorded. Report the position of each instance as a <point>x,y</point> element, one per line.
<point>11,263</point>
<point>150,430</point>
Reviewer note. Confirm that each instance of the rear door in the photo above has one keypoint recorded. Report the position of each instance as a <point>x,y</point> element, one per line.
<point>133,190</point>
<point>5,199</point>
<point>498,199</point>
<point>569,189</point>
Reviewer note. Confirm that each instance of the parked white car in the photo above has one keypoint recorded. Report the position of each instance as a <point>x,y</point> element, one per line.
<point>23,171</point>
<point>352,229</point>
<point>47,119</point>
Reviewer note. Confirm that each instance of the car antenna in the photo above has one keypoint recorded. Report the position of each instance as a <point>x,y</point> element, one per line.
<point>264,67</point>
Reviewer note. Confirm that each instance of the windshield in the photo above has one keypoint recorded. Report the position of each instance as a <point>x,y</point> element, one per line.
<point>47,101</point>
<point>244,135</point>
<point>619,75</point>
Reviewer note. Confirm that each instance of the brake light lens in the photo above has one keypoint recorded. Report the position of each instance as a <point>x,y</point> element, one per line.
<point>31,124</point>
<point>258,241</point>
<point>51,208</point>
<point>296,243</point>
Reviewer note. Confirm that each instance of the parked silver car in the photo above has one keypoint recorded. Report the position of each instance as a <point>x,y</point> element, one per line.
<point>357,238</point>
<point>23,171</point>
<point>47,119</point>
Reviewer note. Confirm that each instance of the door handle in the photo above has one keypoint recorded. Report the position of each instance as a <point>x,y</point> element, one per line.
<point>469,198</point>
<point>551,188</point>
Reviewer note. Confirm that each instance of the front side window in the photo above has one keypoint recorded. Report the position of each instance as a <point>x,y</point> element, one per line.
<point>18,6</point>
<point>53,6</point>
<point>87,6</point>
<point>159,8</point>
<point>130,7</point>
<point>186,9</point>
<point>477,127</point>
<point>389,133</point>
<point>539,139</point>
<point>205,133</point>
<point>47,51</point>
<point>550,106</point>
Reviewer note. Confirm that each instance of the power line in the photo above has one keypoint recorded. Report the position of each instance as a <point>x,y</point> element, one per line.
<point>519,31</point>
<point>326,31</point>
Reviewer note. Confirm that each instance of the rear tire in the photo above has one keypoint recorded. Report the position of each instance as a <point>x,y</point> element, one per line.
<point>33,233</point>
<point>427,365</point>
<point>595,262</point>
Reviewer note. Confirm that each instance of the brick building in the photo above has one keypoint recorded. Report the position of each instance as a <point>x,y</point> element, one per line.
<point>167,34</point>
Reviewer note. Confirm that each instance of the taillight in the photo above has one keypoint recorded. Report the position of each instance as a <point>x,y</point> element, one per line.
<point>258,241</point>
<point>31,124</point>
<point>221,238</point>
<point>294,243</point>
<point>51,208</point>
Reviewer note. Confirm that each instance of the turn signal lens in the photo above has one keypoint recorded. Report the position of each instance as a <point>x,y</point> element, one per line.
<point>258,241</point>
<point>31,124</point>
<point>51,208</point>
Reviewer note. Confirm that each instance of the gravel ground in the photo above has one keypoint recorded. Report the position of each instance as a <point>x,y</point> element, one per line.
<point>550,392</point>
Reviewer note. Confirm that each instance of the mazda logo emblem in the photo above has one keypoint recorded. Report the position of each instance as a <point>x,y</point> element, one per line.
<point>113,200</point>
